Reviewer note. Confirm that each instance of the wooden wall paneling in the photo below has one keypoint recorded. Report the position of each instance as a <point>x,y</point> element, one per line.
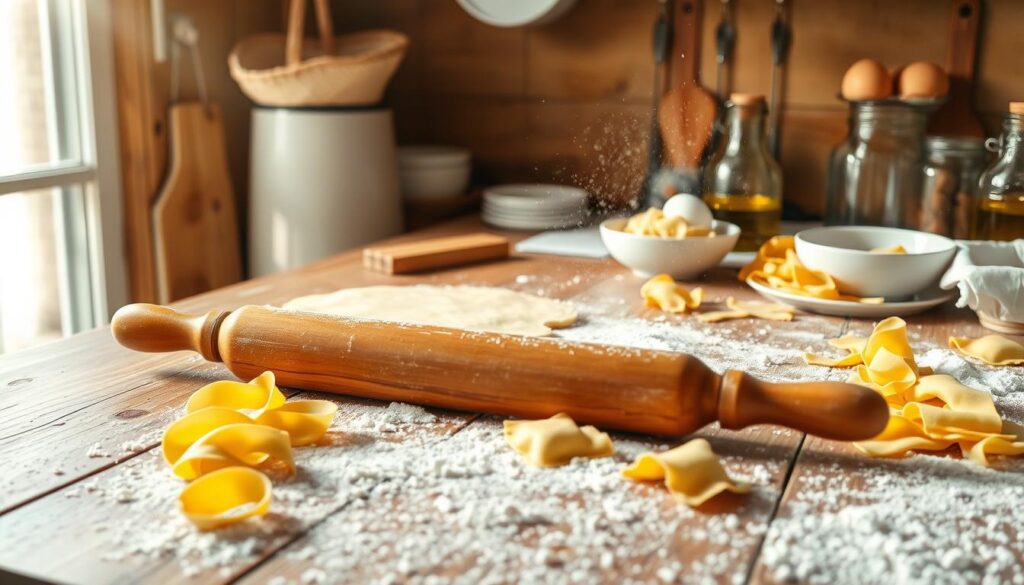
<point>141,127</point>
<point>462,56</point>
<point>403,16</point>
<point>999,77</point>
<point>810,136</point>
<point>600,50</point>
<point>599,146</point>
<point>494,129</point>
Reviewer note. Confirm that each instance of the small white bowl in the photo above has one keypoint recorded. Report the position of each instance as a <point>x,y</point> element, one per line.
<point>433,172</point>
<point>650,255</point>
<point>843,252</point>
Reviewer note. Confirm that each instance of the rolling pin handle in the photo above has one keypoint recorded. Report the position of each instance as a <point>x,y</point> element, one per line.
<point>153,328</point>
<point>833,410</point>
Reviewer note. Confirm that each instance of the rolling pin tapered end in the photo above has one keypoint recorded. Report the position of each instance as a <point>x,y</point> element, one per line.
<point>832,410</point>
<point>156,329</point>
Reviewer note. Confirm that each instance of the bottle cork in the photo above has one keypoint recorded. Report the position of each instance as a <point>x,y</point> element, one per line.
<point>746,99</point>
<point>1017,108</point>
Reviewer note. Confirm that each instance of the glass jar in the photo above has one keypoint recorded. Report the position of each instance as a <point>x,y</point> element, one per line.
<point>950,186</point>
<point>875,174</point>
<point>1000,207</point>
<point>742,182</point>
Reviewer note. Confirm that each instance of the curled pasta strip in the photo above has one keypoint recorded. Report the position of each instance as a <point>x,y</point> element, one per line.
<point>243,444</point>
<point>305,421</point>
<point>184,432</point>
<point>666,294</point>
<point>692,472</point>
<point>225,496</point>
<point>994,350</point>
<point>744,309</point>
<point>654,222</point>
<point>555,441</point>
<point>777,266</point>
<point>928,412</point>
<point>252,398</point>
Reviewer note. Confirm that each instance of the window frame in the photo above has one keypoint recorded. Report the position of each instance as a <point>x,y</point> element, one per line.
<point>88,215</point>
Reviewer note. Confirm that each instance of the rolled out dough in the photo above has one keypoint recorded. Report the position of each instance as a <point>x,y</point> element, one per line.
<point>475,308</point>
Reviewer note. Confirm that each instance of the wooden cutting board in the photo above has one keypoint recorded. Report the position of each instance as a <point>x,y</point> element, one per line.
<point>195,228</point>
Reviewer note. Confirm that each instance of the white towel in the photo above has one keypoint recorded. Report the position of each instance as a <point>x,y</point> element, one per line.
<point>990,276</point>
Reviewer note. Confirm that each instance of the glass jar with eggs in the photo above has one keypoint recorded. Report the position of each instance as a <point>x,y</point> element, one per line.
<point>999,213</point>
<point>875,175</point>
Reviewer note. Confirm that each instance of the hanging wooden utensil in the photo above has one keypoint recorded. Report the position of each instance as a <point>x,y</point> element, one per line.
<point>957,116</point>
<point>195,227</point>
<point>687,112</point>
<point>643,391</point>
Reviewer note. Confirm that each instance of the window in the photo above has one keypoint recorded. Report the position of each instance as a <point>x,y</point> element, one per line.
<point>61,263</point>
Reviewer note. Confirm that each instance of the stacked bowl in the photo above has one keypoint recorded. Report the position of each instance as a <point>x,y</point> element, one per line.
<point>433,172</point>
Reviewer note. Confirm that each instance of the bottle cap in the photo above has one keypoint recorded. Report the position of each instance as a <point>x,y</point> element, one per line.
<point>746,99</point>
<point>1017,108</point>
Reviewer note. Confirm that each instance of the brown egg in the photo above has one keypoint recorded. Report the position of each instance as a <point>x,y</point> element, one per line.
<point>922,79</point>
<point>867,79</point>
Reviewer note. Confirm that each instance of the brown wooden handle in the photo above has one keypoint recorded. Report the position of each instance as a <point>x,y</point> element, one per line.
<point>963,38</point>
<point>645,391</point>
<point>293,40</point>
<point>833,410</point>
<point>326,27</point>
<point>156,329</point>
<point>686,29</point>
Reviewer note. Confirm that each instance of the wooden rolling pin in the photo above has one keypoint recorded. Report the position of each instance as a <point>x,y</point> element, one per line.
<point>643,391</point>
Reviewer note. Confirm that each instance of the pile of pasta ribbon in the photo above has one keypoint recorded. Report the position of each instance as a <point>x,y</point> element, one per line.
<point>654,222</point>
<point>778,267</point>
<point>927,412</point>
<point>229,429</point>
<point>692,472</point>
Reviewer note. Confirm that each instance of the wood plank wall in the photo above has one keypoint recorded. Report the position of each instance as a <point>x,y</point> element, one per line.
<point>570,101</point>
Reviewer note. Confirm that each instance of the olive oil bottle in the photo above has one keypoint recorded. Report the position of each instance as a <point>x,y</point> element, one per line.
<point>999,214</point>
<point>743,182</point>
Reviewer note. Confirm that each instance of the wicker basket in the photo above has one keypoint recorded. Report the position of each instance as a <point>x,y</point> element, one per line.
<point>287,70</point>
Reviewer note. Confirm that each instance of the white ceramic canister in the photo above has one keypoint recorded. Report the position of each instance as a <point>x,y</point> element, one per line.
<point>322,180</point>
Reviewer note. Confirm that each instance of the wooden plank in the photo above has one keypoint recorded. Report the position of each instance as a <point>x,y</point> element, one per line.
<point>832,479</point>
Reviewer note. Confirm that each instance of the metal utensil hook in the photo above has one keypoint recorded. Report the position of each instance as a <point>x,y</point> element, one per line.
<point>185,33</point>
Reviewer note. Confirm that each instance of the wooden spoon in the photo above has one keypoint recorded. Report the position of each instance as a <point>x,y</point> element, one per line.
<point>687,111</point>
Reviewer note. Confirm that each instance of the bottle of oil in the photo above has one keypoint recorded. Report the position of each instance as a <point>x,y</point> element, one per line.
<point>742,182</point>
<point>1000,211</point>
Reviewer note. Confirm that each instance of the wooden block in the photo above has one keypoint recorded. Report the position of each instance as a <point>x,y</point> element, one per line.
<point>436,253</point>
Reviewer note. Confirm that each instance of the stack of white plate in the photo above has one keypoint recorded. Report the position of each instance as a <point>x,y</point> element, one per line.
<point>535,207</point>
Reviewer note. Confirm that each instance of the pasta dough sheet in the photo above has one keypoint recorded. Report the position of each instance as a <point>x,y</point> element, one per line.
<point>692,472</point>
<point>474,308</point>
<point>994,350</point>
<point>668,295</point>
<point>555,441</point>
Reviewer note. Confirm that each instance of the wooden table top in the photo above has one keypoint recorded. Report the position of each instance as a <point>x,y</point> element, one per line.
<point>81,419</point>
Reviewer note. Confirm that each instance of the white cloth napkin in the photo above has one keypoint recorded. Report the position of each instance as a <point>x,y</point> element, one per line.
<point>990,276</point>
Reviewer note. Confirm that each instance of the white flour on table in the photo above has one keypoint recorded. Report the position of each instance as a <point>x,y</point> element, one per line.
<point>394,505</point>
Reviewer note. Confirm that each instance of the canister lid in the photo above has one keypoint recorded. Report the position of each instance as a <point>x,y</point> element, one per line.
<point>746,99</point>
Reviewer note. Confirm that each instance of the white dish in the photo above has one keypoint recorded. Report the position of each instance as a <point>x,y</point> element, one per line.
<point>920,303</point>
<point>843,252</point>
<point>650,255</point>
<point>516,12</point>
<point>534,224</point>
<point>433,183</point>
<point>422,155</point>
<point>535,197</point>
<point>533,215</point>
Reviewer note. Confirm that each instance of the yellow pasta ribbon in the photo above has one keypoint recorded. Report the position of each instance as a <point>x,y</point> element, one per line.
<point>555,441</point>
<point>654,222</point>
<point>692,472</point>
<point>243,444</point>
<point>225,496</point>
<point>927,412</point>
<point>253,398</point>
<point>744,309</point>
<point>666,294</point>
<point>897,249</point>
<point>994,350</point>
<point>777,266</point>
<point>230,427</point>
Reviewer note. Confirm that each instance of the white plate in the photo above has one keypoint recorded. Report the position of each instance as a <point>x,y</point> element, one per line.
<point>520,224</point>
<point>533,215</point>
<point>920,303</point>
<point>516,12</point>
<point>535,197</point>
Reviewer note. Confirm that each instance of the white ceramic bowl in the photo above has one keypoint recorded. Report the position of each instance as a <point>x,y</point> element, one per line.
<point>844,253</point>
<point>428,183</point>
<point>650,255</point>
